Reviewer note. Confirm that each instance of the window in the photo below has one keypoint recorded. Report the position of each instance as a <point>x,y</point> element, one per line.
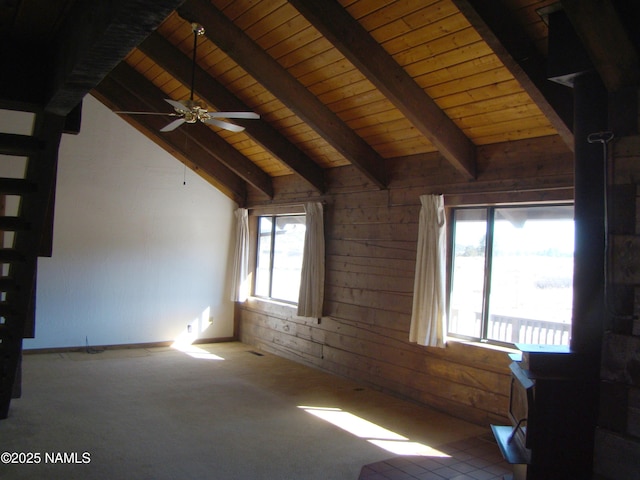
<point>512,274</point>
<point>279,256</point>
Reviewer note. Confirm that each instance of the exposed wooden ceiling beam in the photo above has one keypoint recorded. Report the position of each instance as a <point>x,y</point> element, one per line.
<point>95,37</point>
<point>212,92</point>
<point>235,43</point>
<point>606,40</point>
<point>363,51</point>
<point>509,42</point>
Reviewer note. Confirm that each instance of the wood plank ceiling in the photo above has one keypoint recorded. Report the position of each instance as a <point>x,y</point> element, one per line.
<point>342,82</point>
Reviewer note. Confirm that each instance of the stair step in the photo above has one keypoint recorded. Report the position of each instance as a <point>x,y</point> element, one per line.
<point>14,224</point>
<point>9,255</point>
<point>16,186</point>
<point>7,310</point>
<point>19,145</point>
<point>17,311</point>
<point>8,284</point>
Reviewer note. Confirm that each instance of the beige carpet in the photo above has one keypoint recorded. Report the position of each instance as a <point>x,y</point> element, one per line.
<point>216,412</point>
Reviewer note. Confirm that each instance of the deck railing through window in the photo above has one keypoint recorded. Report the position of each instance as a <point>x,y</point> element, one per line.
<point>522,330</point>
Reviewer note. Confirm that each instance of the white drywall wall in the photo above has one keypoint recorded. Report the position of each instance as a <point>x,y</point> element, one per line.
<point>137,255</point>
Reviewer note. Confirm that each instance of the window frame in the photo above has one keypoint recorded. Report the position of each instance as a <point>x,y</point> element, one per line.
<point>254,231</point>
<point>490,210</point>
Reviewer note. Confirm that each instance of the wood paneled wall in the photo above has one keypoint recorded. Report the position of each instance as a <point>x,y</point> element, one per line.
<point>371,238</point>
<point>618,436</point>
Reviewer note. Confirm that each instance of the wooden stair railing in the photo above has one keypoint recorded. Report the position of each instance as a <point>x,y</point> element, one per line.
<point>26,236</point>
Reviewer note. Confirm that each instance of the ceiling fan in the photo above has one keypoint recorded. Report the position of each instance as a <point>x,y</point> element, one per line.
<point>190,111</point>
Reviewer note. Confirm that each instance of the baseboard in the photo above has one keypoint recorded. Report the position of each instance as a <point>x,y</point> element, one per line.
<point>123,346</point>
<point>202,341</point>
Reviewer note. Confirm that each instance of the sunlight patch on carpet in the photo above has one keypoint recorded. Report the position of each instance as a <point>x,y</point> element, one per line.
<point>373,433</point>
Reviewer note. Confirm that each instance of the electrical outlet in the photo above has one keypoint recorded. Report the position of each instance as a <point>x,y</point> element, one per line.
<point>210,319</point>
<point>188,328</point>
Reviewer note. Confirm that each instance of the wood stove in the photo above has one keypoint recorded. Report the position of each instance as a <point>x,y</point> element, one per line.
<point>547,438</point>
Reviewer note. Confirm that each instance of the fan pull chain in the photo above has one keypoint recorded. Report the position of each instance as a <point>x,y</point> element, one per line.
<point>184,172</point>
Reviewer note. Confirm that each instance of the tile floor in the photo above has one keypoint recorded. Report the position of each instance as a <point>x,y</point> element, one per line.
<point>476,458</point>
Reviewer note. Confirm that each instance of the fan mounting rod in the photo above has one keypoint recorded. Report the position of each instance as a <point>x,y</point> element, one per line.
<point>197,30</point>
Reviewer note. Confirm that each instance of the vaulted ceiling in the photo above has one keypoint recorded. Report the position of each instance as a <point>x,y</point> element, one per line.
<point>336,82</point>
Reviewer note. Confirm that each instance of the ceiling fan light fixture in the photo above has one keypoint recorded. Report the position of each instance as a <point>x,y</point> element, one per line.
<point>197,29</point>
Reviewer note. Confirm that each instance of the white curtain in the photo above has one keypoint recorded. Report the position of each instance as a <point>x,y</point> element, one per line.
<point>428,315</point>
<point>240,273</point>
<point>311,294</point>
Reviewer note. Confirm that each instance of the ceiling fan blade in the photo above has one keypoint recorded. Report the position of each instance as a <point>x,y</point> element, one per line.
<point>177,105</point>
<point>173,125</point>
<point>248,115</point>
<point>226,125</point>
<point>147,113</point>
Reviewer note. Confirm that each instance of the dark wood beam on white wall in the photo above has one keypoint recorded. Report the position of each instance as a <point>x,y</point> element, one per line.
<point>171,59</point>
<point>363,51</point>
<point>268,72</point>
